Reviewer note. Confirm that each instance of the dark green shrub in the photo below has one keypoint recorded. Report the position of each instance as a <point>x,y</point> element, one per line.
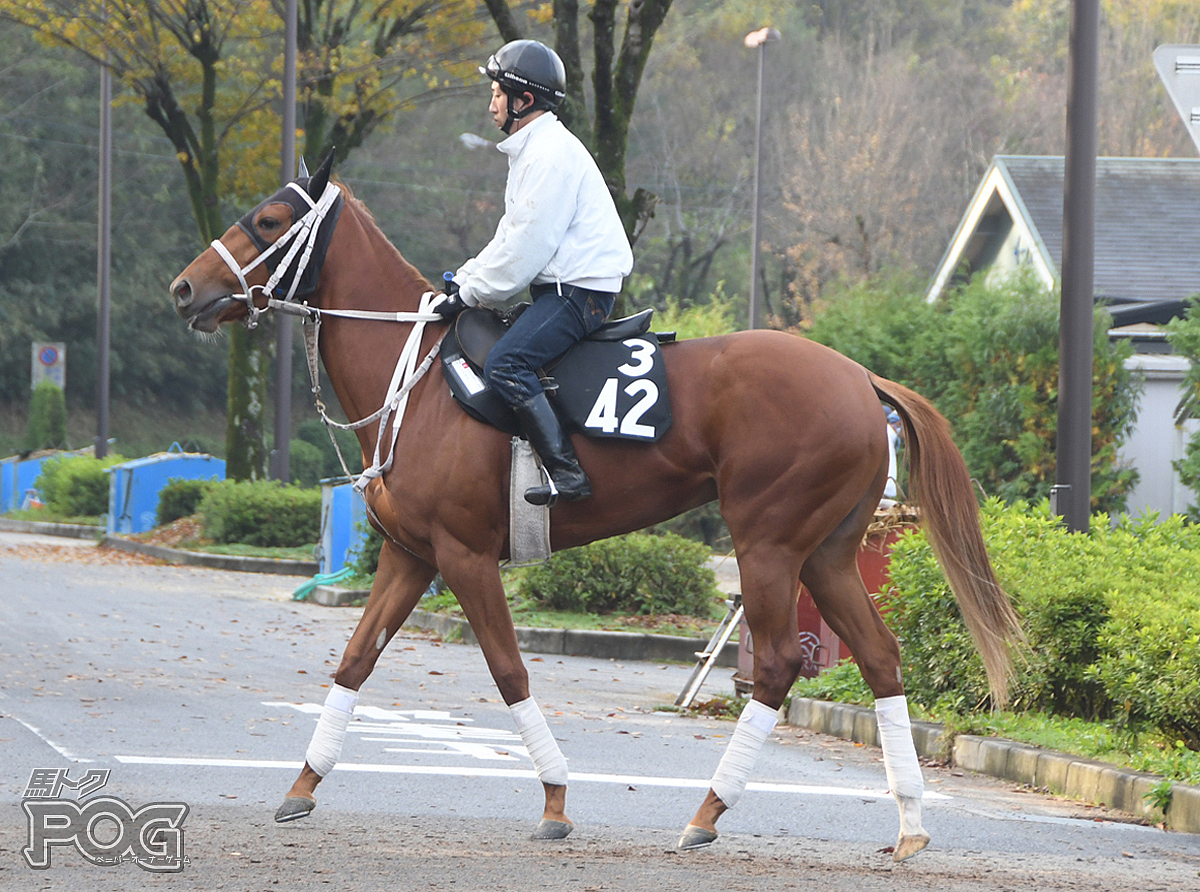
<point>314,432</point>
<point>988,359</point>
<point>307,463</point>
<point>636,574</point>
<point>704,524</point>
<point>364,558</point>
<point>181,498</point>
<point>76,485</point>
<point>47,424</point>
<point>261,513</point>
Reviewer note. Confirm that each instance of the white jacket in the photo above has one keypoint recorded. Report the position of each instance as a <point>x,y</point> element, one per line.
<point>559,225</point>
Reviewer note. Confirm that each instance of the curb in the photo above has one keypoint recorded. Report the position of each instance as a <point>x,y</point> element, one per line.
<point>65,530</point>
<point>1095,782</point>
<point>213,561</point>
<point>572,642</point>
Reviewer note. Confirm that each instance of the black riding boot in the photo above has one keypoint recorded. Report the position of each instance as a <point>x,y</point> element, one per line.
<point>545,433</point>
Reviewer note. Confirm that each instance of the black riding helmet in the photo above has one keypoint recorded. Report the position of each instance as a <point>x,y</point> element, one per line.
<point>528,66</point>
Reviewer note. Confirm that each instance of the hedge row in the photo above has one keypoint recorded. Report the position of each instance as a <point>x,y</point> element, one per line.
<point>636,574</point>
<point>262,513</point>
<point>1113,619</point>
<point>75,485</point>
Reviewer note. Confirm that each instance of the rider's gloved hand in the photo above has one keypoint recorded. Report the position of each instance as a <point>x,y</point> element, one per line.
<point>453,305</point>
<point>450,307</point>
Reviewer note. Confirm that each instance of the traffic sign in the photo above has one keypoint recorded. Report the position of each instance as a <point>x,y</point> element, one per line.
<point>1179,67</point>
<point>49,363</point>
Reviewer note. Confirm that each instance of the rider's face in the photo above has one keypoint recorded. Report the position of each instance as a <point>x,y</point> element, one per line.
<point>499,107</point>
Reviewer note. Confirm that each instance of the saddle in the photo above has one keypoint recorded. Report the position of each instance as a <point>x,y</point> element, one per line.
<point>613,383</point>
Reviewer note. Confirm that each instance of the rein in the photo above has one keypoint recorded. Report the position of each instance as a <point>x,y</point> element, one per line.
<point>299,253</point>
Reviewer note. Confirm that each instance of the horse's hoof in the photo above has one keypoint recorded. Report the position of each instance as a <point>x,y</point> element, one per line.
<point>293,808</point>
<point>549,829</point>
<point>695,838</point>
<point>909,846</point>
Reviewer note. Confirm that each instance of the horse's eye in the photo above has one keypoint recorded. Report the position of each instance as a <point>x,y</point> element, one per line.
<point>268,224</point>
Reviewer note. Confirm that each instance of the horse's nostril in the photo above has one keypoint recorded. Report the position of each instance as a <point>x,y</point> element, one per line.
<point>182,293</point>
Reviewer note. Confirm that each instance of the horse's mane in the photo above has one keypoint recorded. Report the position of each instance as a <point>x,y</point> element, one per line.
<point>371,224</point>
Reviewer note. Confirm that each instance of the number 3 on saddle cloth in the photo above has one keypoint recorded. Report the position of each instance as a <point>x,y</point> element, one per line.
<point>613,383</point>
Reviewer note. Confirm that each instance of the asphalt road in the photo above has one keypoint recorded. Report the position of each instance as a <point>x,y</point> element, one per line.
<point>202,687</point>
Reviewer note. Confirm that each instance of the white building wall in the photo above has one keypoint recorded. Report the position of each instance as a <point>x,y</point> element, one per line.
<point>1156,440</point>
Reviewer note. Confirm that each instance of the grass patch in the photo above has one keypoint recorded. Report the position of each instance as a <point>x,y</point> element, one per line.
<point>295,553</point>
<point>1149,751</point>
<point>44,515</point>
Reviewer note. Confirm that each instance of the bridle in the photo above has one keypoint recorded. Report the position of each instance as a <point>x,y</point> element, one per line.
<point>303,249</point>
<point>306,240</point>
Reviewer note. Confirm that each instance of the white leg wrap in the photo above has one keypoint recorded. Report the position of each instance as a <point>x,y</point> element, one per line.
<point>326,746</point>
<point>548,760</point>
<point>900,761</point>
<point>753,728</point>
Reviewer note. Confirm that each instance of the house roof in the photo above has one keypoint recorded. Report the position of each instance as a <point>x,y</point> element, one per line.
<point>1147,225</point>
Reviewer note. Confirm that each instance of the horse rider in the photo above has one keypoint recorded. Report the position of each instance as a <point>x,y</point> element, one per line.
<point>561,236</point>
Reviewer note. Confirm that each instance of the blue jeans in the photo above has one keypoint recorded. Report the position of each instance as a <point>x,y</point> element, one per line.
<point>545,331</point>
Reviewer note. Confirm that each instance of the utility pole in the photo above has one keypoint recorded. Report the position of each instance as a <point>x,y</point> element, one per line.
<point>104,265</point>
<point>1071,495</point>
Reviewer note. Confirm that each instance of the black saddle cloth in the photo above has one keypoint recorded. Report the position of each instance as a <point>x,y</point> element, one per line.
<point>611,384</point>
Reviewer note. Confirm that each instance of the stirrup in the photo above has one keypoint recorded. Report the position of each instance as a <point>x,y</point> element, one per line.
<point>548,494</point>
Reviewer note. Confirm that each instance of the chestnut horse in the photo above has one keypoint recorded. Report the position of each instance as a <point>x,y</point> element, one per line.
<point>786,434</point>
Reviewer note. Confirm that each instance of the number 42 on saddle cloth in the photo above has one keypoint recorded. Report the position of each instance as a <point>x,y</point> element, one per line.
<point>613,383</point>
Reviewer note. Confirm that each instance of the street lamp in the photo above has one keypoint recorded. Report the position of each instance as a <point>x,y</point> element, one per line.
<point>758,40</point>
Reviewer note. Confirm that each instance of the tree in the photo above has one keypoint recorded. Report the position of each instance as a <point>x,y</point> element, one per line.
<point>616,77</point>
<point>48,240</point>
<point>987,357</point>
<point>200,70</point>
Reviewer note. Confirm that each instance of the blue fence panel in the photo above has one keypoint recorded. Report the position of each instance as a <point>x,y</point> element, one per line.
<point>341,511</point>
<point>135,485</point>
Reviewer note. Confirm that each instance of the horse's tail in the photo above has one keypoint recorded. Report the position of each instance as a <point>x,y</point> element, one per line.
<point>941,486</point>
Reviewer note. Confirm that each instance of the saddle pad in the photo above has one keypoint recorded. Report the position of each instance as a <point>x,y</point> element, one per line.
<point>601,389</point>
<point>478,329</point>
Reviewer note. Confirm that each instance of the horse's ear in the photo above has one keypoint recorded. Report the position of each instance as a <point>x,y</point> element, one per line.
<point>320,179</point>
<point>302,169</point>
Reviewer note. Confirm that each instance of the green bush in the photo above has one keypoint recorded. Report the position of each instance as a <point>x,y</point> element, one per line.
<point>307,463</point>
<point>1149,650</point>
<point>635,574</point>
<point>76,485</point>
<point>47,425</point>
<point>988,359</point>
<point>364,558</point>
<point>181,498</point>
<point>1111,619</point>
<point>262,513</point>
<point>314,432</point>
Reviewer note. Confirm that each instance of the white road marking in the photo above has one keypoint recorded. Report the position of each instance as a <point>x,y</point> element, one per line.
<point>61,750</point>
<point>419,731</point>
<point>524,774</point>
